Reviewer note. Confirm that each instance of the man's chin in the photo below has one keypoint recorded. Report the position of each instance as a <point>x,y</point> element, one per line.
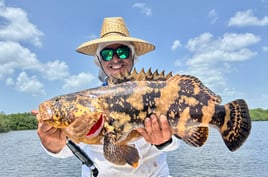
<point>118,73</point>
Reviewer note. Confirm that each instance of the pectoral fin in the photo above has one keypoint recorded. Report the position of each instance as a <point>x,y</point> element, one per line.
<point>119,154</point>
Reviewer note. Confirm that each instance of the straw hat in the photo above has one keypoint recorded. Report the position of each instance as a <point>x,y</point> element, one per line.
<point>114,29</point>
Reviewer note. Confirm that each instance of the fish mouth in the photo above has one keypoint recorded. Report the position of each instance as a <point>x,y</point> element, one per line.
<point>44,113</point>
<point>96,128</point>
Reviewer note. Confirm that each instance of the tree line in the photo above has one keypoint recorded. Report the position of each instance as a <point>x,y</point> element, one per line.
<point>19,121</point>
<point>26,121</point>
<point>259,114</point>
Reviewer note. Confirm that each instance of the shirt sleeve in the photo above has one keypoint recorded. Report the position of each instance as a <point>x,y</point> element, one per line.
<point>64,153</point>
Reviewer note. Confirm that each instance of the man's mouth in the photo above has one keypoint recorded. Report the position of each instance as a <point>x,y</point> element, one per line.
<point>96,129</point>
<point>117,66</point>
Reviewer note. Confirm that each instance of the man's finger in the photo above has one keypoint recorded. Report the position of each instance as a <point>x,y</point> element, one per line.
<point>156,128</point>
<point>144,133</point>
<point>34,112</point>
<point>166,132</point>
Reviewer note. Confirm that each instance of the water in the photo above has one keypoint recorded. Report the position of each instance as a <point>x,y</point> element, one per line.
<point>22,156</point>
<point>215,160</point>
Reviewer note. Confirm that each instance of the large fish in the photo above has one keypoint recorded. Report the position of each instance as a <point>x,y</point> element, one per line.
<point>109,115</point>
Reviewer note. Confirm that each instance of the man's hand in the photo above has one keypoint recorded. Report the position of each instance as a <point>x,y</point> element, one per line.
<point>157,130</point>
<point>53,139</point>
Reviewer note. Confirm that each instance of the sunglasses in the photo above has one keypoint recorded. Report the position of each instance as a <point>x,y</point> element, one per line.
<point>121,52</point>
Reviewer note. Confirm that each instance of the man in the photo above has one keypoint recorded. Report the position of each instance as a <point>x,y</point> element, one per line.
<point>115,53</point>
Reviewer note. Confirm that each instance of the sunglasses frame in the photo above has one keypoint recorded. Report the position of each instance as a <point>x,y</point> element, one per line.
<point>115,51</point>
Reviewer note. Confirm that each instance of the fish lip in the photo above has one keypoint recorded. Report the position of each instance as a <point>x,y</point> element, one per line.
<point>45,112</point>
<point>96,128</point>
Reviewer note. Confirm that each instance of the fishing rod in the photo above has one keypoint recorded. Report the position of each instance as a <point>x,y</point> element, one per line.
<point>83,157</point>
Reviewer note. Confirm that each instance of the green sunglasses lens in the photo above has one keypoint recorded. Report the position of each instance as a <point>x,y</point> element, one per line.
<point>121,52</point>
<point>107,54</point>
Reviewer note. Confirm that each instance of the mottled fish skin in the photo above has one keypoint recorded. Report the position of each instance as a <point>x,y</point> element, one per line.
<point>190,108</point>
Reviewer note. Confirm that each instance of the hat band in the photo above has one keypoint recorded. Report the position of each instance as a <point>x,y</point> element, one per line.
<point>113,32</point>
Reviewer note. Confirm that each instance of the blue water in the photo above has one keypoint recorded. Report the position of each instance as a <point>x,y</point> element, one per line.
<point>214,159</point>
<point>22,156</point>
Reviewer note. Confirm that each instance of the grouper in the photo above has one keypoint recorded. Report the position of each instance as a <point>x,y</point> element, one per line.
<point>111,114</point>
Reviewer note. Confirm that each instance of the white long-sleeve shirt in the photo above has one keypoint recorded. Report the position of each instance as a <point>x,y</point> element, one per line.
<point>152,161</point>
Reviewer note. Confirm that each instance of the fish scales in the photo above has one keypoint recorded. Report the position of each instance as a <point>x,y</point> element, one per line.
<point>109,115</point>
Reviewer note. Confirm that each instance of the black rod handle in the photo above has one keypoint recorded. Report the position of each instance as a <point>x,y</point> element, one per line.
<point>83,157</point>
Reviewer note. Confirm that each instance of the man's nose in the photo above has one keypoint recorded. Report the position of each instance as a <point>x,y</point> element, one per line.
<point>115,57</point>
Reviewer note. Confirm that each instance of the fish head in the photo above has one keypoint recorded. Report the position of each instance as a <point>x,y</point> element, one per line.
<point>73,112</point>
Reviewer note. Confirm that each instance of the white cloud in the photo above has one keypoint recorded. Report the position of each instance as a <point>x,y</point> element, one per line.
<point>27,84</point>
<point>213,16</point>
<point>211,58</point>
<point>16,26</point>
<point>211,76</point>
<point>193,44</point>
<point>176,44</point>
<point>10,81</point>
<point>230,92</point>
<point>143,8</point>
<point>247,18</point>
<point>230,47</point>
<point>80,81</point>
<point>14,56</point>
<point>55,70</point>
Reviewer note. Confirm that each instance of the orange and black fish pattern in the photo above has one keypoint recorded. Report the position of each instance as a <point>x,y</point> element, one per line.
<point>121,107</point>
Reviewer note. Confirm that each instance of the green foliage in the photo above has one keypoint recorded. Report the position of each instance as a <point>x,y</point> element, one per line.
<point>4,127</point>
<point>19,121</point>
<point>259,114</point>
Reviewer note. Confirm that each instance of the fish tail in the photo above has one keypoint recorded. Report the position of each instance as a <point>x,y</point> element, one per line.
<point>236,124</point>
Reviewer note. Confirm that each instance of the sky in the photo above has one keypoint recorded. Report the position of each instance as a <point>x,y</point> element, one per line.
<point>223,43</point>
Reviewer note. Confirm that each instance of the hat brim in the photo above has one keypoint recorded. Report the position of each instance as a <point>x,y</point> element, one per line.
<point>141,47</point>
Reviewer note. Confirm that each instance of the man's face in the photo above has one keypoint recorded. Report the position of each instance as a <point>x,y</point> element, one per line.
<point>116,66</point>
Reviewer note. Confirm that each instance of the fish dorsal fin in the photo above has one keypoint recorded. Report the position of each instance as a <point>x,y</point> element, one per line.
<point>141,76</point>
